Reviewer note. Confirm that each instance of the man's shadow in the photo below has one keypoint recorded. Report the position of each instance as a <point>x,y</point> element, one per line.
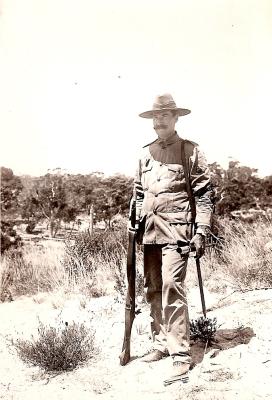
<point>223,339</point>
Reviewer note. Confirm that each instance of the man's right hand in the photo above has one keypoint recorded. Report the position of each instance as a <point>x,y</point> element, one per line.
<point>138,233</point>
<point>133,228</point>
<point>199,242</point>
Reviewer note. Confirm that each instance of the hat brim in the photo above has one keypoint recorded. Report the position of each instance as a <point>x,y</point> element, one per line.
<point>180,111</point>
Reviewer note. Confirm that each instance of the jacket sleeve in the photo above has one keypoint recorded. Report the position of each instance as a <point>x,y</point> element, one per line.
<point>202,188</point>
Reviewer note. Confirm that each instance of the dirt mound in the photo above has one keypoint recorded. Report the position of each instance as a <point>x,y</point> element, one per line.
<point>224,339</point>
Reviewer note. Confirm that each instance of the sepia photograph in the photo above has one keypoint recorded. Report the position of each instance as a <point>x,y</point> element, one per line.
<point>136,199</point>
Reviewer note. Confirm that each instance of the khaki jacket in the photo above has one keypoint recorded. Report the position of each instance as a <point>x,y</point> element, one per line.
<point>161,198</point>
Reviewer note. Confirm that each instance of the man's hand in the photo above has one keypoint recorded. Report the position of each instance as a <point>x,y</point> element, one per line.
<point>199,242</point>
<point>133,228</point>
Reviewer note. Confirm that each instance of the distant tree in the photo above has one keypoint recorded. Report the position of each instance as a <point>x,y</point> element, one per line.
<point>100,197</point>
<point>83,192</point>
<point>239,188</point>
<point>217,178</point>
<point>266,194</point>
<point>48,199</point>
<point>29,212</point>
<point>113,197</point>
<point>82,189</point>
<point>11,187</point>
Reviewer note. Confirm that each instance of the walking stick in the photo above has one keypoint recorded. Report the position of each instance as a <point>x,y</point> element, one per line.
<point>201,286</point>
<point>193,211</point>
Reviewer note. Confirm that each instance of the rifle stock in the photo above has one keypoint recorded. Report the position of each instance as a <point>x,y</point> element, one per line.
<point>130,298</point>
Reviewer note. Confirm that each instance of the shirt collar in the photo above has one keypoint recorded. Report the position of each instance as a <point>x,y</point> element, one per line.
<point>170,140</point>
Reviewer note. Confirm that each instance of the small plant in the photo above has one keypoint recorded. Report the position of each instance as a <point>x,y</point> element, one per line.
<point>60,348</point>
<point>203,329</point>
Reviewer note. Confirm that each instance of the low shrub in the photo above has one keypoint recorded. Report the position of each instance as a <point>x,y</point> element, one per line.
<point>203,329</point>
<point>60,348</point>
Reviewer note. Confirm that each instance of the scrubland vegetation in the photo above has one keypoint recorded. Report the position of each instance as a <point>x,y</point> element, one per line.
<point>96,265</point>
<point>92,262</point>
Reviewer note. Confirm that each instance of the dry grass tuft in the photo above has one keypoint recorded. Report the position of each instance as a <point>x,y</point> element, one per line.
<point>96,263</point>
<point>31,270</point>
<point>244,257</point>
<point>243,262</point>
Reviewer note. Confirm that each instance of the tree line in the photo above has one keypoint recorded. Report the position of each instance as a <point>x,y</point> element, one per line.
<point>59,197</point>
<point>240,188</point>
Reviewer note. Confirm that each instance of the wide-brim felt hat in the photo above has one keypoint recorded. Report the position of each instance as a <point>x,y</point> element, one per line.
<point>162,103</point>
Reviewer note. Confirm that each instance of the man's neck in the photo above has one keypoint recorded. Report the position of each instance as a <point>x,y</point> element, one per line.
<point>168,136</point>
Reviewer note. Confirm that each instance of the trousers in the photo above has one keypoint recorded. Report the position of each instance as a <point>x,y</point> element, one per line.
<point>164,276</point>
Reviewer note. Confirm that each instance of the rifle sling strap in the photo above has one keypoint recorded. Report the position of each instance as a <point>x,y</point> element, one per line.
<point>187,182</point>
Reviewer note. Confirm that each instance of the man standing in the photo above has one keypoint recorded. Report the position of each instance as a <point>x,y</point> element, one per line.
<point>163,206</point>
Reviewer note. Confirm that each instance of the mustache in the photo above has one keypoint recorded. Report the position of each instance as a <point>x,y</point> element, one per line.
<point>160,126</point>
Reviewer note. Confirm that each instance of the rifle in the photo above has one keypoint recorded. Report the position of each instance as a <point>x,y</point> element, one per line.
<point>130,298</point>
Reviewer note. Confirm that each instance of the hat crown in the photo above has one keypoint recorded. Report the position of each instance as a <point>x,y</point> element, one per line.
<point>164,101</point>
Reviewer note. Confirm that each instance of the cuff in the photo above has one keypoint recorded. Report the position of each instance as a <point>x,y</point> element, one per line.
<point>203,230</point>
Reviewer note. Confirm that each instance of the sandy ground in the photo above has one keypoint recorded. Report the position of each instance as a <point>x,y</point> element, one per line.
<point>243,372</point>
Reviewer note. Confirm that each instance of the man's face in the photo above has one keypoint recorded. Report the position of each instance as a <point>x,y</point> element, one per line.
<point>164,123</point>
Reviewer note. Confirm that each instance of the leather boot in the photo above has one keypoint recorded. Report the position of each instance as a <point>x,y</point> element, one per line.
<point>155,355</point>
<point>179,373</point>
<point>180,368</point>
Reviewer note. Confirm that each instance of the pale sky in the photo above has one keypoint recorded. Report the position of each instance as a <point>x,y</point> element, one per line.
<point>75,74</point>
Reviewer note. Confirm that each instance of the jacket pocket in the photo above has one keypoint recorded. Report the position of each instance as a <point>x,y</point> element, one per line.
<point>180,217</point>
<point>175,171</point>
<point>174,167</point>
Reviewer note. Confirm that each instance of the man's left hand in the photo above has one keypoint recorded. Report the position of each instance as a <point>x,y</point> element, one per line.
<point>199,242</point>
